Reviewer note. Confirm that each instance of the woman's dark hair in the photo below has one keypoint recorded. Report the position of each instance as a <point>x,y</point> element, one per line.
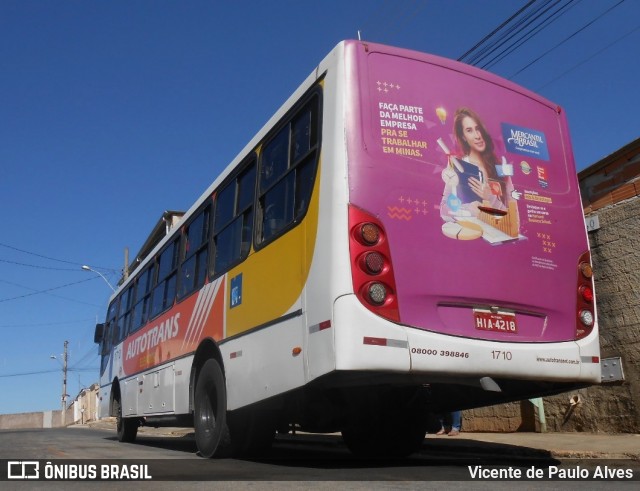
<point>489,158</point>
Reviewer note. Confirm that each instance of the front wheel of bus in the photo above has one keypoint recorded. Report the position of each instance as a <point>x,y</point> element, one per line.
<point>127,428</point>
<point>210,412</point>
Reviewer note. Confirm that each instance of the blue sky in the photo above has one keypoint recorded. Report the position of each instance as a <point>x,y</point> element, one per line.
<point>113,111</point>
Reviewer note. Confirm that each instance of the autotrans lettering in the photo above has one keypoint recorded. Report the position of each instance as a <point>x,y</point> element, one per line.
<point>162,332</point>
<point>525,141</point>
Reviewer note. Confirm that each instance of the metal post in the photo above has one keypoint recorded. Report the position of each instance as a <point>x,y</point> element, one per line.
<point>538,403</point>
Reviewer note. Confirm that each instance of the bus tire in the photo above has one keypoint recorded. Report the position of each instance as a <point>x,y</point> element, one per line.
<point>210,412</point>
<point>127,428</point>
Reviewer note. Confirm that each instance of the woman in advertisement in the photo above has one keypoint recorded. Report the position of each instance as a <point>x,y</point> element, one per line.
<point>477,184</point>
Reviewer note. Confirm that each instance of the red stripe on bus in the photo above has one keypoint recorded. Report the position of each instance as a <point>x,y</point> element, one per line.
<point>324,325</point>
<point>374,341</point>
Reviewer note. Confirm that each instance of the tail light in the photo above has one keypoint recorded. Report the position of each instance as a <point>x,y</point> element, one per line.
<point>585,307</point>
<point>373,279</point>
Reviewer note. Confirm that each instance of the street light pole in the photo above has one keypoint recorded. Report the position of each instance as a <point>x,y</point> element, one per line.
<point>88,268</point>
<point>64,382</point>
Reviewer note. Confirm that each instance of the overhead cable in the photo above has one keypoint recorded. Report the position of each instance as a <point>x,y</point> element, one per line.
<point>546,22</point>
<point>497,29</point>
<point>566,39</point>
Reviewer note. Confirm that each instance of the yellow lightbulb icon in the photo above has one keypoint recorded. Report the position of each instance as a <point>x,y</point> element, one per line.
<point>441,112</point>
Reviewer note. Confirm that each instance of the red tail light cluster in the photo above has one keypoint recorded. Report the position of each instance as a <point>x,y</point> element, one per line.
<point>585,308</point>
<point>373,280</point>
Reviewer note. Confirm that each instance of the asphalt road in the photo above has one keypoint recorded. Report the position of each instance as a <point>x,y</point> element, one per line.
<point>316,460</point>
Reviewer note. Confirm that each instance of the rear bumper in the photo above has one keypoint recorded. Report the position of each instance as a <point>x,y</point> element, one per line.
<point>364,341</point>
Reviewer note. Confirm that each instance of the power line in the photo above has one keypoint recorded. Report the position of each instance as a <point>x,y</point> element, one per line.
<point>47,290</point>
<point>36,266</point>
<point>374,14</point>
<point>566,39</point>
<point>589,58</point>
<point>83,369</point>
<point>52,258</point>
<point>24,374</point>
<point>554,16</point>
<point>88,357</point>
<point>492,33</point>
<point>395,24</point>
<point>44,324</point>
<point>517,29</point>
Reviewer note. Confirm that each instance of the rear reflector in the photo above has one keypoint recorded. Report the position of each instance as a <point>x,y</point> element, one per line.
<point>390,343</point>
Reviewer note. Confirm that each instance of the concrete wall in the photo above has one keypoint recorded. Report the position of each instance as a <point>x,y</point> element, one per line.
<point>45,419</point>
<point>53,419</point>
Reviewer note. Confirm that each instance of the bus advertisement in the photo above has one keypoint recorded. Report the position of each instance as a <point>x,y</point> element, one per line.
<point>403,237</point>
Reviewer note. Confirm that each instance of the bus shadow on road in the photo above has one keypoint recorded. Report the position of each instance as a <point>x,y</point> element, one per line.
<point>330,452</point>
<point>180,443</point>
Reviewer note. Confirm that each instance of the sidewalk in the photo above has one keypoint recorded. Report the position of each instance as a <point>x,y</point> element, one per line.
<point>553,445</point>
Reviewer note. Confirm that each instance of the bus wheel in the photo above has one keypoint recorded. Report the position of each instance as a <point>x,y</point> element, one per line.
<point>127,428</point>
<point>396,438</point>
<point>210,412</point>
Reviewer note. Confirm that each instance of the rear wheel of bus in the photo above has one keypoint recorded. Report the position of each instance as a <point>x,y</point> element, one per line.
<point>127,428</point>
<point>210,412</point>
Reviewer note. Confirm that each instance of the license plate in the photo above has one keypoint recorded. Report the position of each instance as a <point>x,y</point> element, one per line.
<point>486,320</point>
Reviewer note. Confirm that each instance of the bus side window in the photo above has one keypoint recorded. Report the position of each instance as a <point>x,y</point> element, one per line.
<point>301,135</point>
<point>142,306</point>
<point>165,289</point>
<point>275,159</point>
<point>285,196</point>
<point>105,346</point>
<point>277,204</point>
<point>107,333</point>
<point>196,253</point>
<point>121,327</point>
<point>233,223</point>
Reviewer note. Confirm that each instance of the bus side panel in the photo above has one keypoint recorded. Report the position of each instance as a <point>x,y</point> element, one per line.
<point>130,393</point>
<point>263,364</point>
<point>157,390</point>
<point>182,369</point>
<point>330,275</point>
<point>365,341</point>
<point>104,399</point>
<point>265,355</point>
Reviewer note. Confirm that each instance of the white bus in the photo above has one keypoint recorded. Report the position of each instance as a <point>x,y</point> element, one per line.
<point>403,237</point>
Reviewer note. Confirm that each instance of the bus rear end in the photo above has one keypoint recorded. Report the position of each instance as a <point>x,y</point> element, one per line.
<point>469,254</point>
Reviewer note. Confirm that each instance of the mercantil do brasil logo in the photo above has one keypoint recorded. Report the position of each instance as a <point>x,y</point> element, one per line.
<point>525,141</point>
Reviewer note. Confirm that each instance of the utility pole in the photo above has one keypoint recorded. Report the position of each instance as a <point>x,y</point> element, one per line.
<point>64,384</point>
